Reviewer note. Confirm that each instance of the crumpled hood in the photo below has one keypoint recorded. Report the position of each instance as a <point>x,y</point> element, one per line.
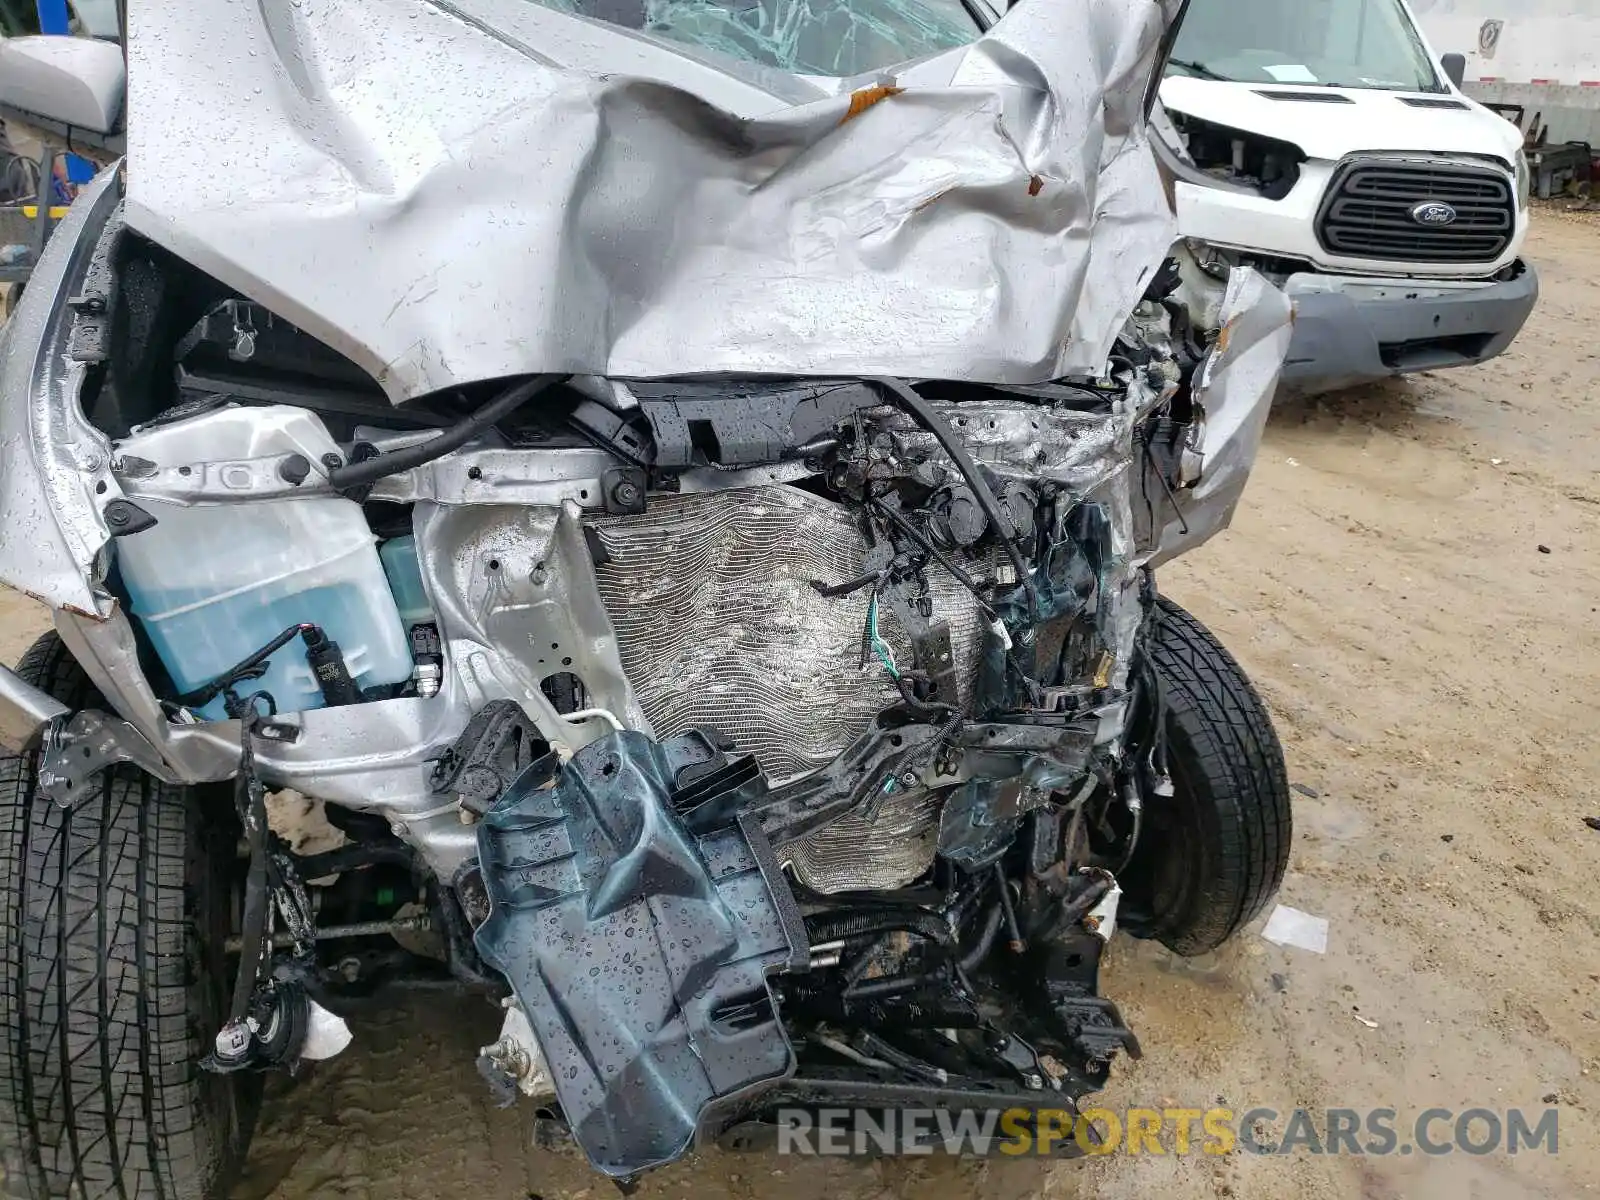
<point>452,192</point>
<point>1372,120</point>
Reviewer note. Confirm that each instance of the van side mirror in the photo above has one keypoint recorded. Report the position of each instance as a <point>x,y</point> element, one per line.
<point>1455,67</point>
<point>67,82</point>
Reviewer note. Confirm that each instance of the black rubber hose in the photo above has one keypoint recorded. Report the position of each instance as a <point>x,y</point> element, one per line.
<point>465,964</point>
<point>936,425</point>
<point>973,958</point>
<point>241,669</point>
<point>359,474</point>
<point>832,927</point>
<point>351,858</point>
<point>1007,911</point>
<point>1074,912</point>
<point>1133,841</point>
<point>970,961</point>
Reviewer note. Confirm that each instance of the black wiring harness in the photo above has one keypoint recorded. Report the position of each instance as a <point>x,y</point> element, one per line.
<point>903,395</point>
<point>322,655</point>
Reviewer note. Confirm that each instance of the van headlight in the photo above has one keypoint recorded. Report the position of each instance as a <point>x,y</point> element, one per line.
<point>1524,179</point>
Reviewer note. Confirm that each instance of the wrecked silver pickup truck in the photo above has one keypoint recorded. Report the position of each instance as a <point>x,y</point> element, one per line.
<point>674,491</point>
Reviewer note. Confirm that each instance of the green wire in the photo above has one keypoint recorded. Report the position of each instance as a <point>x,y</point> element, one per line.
<point>879,646</point>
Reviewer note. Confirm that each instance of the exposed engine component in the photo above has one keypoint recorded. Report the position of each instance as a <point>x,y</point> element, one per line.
<point>1270,166</point>
<point>514,1063</point>
<point>657,859</point>
<point>719,625</point>
<point>886,847</point>
<point>804,778</point>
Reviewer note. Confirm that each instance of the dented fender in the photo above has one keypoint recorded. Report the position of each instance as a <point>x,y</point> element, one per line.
<point>1233,390</point>
<point>54,459</point>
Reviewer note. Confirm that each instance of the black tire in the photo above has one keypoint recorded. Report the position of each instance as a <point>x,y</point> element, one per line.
<point>113,919</point>
<point>1212,855</point>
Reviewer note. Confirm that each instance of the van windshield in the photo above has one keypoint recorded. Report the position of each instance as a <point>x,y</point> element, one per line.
<point>1331,43</point>
<point>808,37</point>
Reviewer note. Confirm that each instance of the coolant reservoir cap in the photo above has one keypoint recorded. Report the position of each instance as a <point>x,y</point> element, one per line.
<point>294,469</point>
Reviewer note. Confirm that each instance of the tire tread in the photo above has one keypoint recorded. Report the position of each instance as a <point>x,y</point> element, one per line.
<point>1217,717</point>
<point>99,1077</point>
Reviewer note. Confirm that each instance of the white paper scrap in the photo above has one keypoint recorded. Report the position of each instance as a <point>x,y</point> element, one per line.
<point>326,1036</point>
<point>1291,927</point>
<point>1291,73</point>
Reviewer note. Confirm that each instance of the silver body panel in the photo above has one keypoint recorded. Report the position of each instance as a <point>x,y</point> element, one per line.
<point>575,196</point>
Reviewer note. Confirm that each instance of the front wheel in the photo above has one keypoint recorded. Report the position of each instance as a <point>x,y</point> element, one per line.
<point>113,919</point>
<point>1211,855</point>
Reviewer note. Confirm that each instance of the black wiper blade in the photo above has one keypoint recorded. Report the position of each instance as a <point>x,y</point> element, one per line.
<point>1199,70</point>
<point>980,16</point>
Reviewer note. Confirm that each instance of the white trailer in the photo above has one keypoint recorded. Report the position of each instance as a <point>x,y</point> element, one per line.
<point>1541,54</point>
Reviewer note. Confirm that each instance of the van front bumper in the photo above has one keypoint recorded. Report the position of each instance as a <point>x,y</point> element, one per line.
<point>1349,329</point>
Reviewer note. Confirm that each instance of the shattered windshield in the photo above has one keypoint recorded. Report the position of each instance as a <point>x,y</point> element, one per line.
<point>807,37</point>
<point>1333,43</point>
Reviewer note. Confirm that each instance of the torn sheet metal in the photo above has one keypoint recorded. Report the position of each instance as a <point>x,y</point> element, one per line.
<point>53,458</point>
<point>508,581</point>
<point>1234,387</point>
<point>465,190</point>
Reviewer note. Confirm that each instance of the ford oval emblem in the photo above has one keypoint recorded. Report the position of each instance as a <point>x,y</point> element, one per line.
<point>1433,212</point>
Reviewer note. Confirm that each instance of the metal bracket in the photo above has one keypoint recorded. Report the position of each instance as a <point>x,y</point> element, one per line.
<point>492,753</point>
<point>1020,1057</point>
<point>223,482</point>
<point>124,517</point>
<point>77,747</point>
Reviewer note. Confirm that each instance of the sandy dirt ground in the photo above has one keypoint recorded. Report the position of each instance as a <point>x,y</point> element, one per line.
<point>1413,581</point>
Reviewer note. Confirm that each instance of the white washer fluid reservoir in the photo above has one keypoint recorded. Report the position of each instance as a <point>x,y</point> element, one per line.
<point>212,583</point>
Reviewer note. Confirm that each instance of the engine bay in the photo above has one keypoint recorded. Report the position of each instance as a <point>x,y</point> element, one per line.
<point>755,741</point>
